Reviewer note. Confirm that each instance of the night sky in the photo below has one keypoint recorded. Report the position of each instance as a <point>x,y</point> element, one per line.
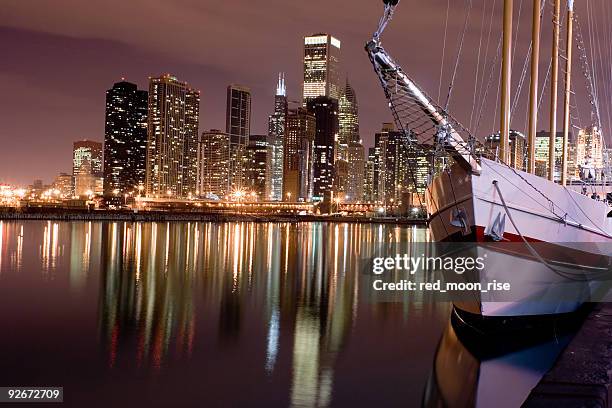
<point>60,56</point>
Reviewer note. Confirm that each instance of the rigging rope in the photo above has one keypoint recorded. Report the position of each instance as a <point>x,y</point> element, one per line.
<point>443,52</point>
<point>459,52</point>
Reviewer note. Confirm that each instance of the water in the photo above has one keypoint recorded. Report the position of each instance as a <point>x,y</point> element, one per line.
<point>201,314</point>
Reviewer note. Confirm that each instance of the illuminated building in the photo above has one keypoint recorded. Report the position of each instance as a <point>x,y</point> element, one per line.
<point>369,190</point>
<point>125,140</point>
<point>518,145</point>
<point>172,153</point>
<point>349,146</point>
<point>238,126</point>
<point>325,110</point>
<point>63,184</point>
<point>87,163</point>
<point>589,152</point>
<point>298,154</point>
<point>321,67</point>
<point>276,134</point>
<point>541,154</point>
<point>257,153</point>
<point>214,155</point>
<point>400,167</point>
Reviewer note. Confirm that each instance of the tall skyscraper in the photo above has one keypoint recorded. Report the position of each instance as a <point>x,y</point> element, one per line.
<point>214,153</point>
<point>325,110</point>
<point>276,134</point>
<point>321,67</point>
<point>349,146</point>
<point>299,151</point>
<point>87,169</point>
<point>257,153</point>
<point>369,186</point>
<point>172,140</point>
<point>125,140</point>
<point>238,126</point>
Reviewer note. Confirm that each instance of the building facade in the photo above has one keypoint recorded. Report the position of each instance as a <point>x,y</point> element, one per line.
<point>518,148</point>
<point>238,126</point>
<point>589,154</point>
<point>172,154</point>
<point>257,153</point>
<point>325,111</point>
<point>349,147</point>
<point>125,139</point>
<point>541,154</point>
<point>87,166</point>
<point>214,154</point>
<point>321,67</point>
<point>276,134</point>
<point>298,156</point>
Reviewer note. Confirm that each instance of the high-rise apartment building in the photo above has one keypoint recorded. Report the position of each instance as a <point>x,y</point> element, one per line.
<point>276,133</point>
<point>321,67</point>
<point>214,154</point>
<point>257,153</point>
<point>541,153</point>
<point>369,186</point>
<point>238,126</point>
<point>325,111</point>
<point>125,140</point>
<point>298,155</point>
<point>354,190</point>
<point>172,154</point>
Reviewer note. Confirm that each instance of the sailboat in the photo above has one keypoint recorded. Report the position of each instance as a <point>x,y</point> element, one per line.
<point>552,244</point>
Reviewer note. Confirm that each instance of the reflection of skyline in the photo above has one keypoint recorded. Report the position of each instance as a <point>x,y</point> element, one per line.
<point>283,297</point>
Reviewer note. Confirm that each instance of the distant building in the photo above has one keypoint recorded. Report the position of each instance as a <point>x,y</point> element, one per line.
<point>325,111</point>
<point>321,67</point>
<point>125,140</point>
<point>63,184</point>
<point>518,146</point>
<point>86,183</point>
<point>299,152</point>
<point>276,134</point>
<point>349,146</point>
<point>172,142</point>
<point>87,163</point>
<point>541,153</point>
<point>589,153</point>
<point>369,186</point>
<point>238,126</point>
<point>257,153</point>
<point>400,168</point>
<point>214,153</point>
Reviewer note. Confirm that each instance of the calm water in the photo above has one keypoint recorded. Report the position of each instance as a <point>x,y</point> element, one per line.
<point>199,314</point>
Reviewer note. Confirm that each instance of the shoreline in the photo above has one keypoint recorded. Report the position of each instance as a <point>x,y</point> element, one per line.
<point>182,216</point>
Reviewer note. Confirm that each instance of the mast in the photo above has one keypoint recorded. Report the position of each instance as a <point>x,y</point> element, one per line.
<point>568,88</point>
<point>533,90</point>
<point>553,91</point>
<point>504,140</point>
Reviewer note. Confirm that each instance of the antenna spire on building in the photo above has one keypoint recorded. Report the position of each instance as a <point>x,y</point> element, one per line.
<point>281,90</point>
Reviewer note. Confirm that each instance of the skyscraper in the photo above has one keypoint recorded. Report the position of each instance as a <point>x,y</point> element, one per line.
<point>298,155</point>
<point>238,126</point>
<point>172,140</point>
<point>589,153</point>
<point>276,134</point>
<point>517,144</point>
<point>541,153</point>
<point>214,153</point>
<point>321,67</point>
<point>257,153</point>
<point>87,167</point>
<point>125,140</point>
<point>325,110</point>
<point>349,146</point>
<point>369,187</point>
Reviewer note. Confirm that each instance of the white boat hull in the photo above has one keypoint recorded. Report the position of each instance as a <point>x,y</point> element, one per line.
<point>569,232</point>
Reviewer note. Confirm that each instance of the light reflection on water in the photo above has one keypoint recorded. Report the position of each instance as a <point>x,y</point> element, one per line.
<point>236,312</point>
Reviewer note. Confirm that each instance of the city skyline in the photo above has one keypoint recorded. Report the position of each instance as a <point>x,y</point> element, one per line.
<point>60,66</point>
